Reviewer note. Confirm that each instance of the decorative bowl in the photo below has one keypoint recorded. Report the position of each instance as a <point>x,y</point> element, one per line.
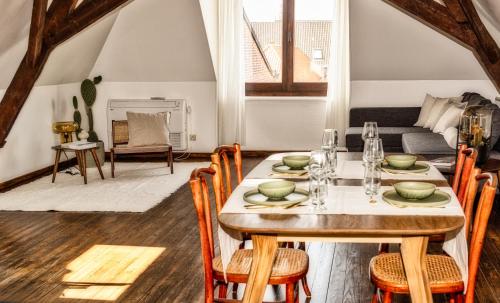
<point>415,190</point>
<point>276,190</point>
<point>296,161</point>
<point>401,161</point>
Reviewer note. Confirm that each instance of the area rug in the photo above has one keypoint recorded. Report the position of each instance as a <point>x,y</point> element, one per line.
<point>136,187</point>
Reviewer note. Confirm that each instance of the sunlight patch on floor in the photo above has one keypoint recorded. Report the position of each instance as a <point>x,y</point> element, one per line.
<point>104,272</point>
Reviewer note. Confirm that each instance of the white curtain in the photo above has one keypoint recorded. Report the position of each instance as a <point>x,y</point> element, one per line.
<point>338,96</point>
<point>231,73</point>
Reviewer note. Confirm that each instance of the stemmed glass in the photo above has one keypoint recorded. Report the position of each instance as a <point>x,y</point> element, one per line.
<point>329,145</point>
<point>370,130</point>
<point>318,178</point>
<point>373,150</point>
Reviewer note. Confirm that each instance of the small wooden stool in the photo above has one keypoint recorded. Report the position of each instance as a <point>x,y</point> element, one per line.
<point>80,158</point>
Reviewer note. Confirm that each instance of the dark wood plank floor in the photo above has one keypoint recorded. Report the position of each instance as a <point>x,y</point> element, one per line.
<point>36,247</point>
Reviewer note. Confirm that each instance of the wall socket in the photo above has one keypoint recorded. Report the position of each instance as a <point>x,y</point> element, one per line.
<point>192,137</point>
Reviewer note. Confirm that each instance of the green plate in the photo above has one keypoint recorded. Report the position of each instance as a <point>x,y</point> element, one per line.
<point>419,167</point>
<point>283,169</point>
<point>438,199</point>
<point>298,196</point>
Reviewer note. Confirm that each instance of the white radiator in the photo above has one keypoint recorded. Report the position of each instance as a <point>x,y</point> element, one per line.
<point>118,108</point>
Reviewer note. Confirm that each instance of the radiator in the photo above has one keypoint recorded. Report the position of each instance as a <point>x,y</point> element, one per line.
<point>118,108</point>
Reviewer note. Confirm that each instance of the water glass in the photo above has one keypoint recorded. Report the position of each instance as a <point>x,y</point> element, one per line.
<point>318,184</point>
<point>370,130</point>
<point>318,189</point>
<point>331,160</point>
<point>372,178</point>
<point>329,145</point>
<point>373,150</point>
<point>330,137</point>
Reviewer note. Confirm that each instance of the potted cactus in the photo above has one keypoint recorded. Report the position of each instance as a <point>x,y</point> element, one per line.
<point>89,93</point>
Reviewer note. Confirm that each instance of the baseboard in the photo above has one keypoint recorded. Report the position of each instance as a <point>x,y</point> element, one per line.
<point>30,177</point>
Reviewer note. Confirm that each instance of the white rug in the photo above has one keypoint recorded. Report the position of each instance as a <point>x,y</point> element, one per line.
<point>136,187</point>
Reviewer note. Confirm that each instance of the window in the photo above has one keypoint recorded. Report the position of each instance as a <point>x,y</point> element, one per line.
<point>287,46</point>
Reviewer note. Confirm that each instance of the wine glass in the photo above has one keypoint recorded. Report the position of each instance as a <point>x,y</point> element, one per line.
<point>373,151</point>
<point>370,130</point>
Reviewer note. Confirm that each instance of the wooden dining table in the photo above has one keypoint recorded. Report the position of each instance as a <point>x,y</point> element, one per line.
<point>411,231</point>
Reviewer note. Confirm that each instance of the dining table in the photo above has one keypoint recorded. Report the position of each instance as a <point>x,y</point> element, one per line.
<point>349,216</point>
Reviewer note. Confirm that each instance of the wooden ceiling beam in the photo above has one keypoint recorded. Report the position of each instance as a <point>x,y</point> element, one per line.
<point>459,21</point>
<point>485,40</point>
<point>84,15</point>
<point>58,11</point>
<point>434,15</point>
<point>35,41</point>
<point>456,10</point>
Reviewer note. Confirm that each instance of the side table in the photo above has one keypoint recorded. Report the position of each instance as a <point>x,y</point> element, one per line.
<point>80,152</point>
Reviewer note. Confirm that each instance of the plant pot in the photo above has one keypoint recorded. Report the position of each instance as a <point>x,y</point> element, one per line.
<point>100,155</point>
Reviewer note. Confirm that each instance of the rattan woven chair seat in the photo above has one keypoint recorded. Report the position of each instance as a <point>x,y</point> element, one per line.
<point>388,269</point>
<point>288,262</point>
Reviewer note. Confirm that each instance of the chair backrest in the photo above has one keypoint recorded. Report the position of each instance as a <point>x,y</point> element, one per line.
<point>119,132</point>
<point>465,164</point>
<point>201,199</point>
<point>220,156</point>
<point>479,226</point>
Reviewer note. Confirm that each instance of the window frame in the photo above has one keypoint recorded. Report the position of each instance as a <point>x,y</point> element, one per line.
<point>287,87</point>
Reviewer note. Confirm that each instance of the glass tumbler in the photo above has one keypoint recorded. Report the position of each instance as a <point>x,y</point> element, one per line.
<point>372,178</point>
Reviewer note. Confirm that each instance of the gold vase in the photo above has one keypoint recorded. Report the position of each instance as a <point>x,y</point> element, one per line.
<point>65,129</point>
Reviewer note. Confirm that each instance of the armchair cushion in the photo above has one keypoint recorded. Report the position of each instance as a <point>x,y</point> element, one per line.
<point>148,129</point>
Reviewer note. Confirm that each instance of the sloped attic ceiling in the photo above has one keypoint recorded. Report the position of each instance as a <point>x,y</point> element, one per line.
<point>157,41</point>
<point>146,41</point>
<point>387,44</point>
<point>72,61</point>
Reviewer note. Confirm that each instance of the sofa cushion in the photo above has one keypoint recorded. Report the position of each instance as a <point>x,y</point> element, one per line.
<point>384,116</point>
<point>391,137</point>
<point>426,143</point>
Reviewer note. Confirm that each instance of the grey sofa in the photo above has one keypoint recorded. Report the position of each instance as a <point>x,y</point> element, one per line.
<point>396,129</point>
<point>399,135</point>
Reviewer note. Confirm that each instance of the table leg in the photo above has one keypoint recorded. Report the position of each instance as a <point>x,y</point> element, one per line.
<point>83,156</point>
<point>264,253</point>
<point>56,165</point>
<point>97,162</point>
<point>413,250</point>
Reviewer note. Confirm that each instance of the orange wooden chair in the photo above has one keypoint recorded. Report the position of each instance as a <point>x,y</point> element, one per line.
<point>290,265</point>
<point>465,163</point>
<point>220,156</point>
<point>387,273</point>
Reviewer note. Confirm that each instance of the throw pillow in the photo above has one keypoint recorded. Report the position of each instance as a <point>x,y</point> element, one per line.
<point>439,107</point>
<point>145,129</point>
<point>450,118</point>
<point>450,136</point>
<point>425,111</point>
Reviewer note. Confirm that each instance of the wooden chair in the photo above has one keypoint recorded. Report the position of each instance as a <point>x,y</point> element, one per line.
<point>387,273</point>
<point>220,156</point>
<point>466,160</point>
<point>119,134</point>
<point>290,266</point>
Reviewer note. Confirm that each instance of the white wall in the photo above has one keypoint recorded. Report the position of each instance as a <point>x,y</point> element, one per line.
<point>28,146</point>
<point>284,123</point>
<point>199,95</point>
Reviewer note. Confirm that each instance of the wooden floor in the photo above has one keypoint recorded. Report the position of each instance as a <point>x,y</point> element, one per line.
<point>36,250</point>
